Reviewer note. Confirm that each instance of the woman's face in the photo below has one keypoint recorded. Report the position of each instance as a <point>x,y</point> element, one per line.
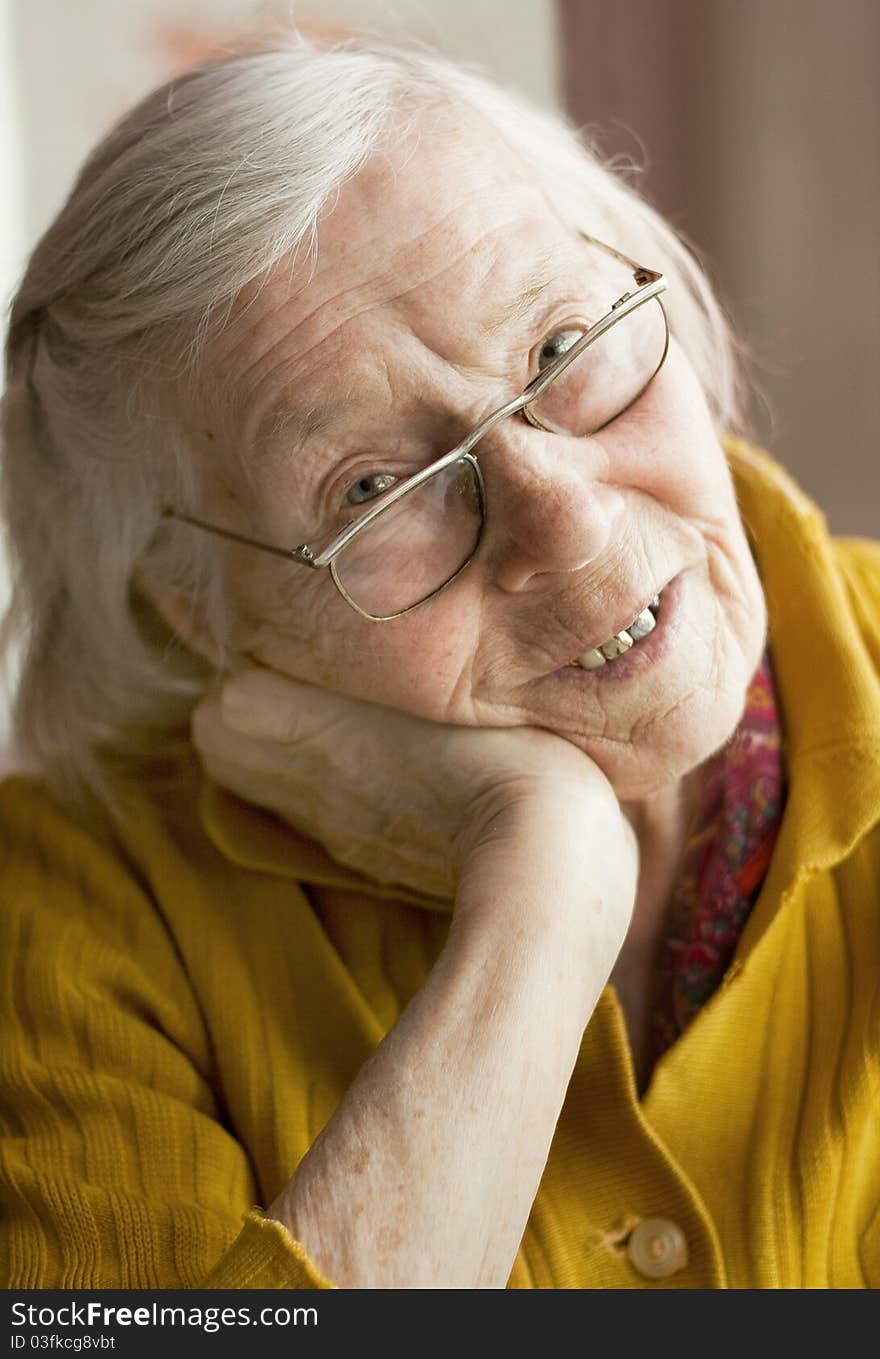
<point>381,361</point>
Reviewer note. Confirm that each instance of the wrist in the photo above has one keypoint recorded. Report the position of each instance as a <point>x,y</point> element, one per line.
<point>553,879</point>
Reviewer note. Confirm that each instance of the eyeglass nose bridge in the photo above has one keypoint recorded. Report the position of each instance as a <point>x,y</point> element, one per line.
<point>516,459</point>
<point>489,422</point>
<point>547,505</point>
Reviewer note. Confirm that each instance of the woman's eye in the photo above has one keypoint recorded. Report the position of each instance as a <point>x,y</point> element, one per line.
<point>556,344</point>
<point>367,488</point>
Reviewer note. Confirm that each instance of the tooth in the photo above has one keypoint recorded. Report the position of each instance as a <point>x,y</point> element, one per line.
<point>616,645</point>
<point>655,602</point>
<point>645,623</point>
<point>591,660</point>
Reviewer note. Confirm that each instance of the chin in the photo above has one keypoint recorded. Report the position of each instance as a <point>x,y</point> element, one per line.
<point>670,747</point>
<point>691,719</point>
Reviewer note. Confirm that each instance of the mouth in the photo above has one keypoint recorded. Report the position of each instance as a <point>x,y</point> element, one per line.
<point>652,635</point>
<point>623,641</point>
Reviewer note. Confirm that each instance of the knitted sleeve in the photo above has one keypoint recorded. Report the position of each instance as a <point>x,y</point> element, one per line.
<point>117,1169</point>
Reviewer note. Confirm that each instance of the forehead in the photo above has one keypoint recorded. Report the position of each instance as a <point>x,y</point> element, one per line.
<point>432,228</point>
<point>426,202</point>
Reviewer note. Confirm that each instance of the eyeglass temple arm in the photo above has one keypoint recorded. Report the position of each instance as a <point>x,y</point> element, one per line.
<point>303,553</point>
<point>642,275</point>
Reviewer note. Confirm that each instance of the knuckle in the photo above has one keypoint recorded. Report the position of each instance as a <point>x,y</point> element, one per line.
<point>205,722</point>
<point>251,707</point>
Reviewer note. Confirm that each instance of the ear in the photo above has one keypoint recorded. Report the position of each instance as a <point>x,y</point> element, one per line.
<point>179,613</point>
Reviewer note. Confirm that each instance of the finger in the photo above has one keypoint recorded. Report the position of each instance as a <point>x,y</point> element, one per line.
<point>206,723</point>
<point>269,706</point>
<point>262,703</point>
<point>235,754</point>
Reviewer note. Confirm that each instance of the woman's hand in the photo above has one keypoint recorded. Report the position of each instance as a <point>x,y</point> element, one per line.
<point>398,798</point>
<point>525,833</point>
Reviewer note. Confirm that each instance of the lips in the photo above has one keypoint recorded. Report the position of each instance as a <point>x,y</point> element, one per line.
<point>641,627</point>
<point>625,620</point>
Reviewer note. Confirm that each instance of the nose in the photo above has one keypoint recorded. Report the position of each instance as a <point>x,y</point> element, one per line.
<point>549,506</point>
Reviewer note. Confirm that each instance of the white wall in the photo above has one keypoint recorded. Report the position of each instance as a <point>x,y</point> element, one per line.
<point>12,233</point>
<point>82,64</point>
<point>12,230</point>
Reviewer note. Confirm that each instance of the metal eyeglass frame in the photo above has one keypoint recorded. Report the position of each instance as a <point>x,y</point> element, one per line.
<point>649,285</point>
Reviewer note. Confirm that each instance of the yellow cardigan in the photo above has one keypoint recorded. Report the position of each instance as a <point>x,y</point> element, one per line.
<point>177,1024</point>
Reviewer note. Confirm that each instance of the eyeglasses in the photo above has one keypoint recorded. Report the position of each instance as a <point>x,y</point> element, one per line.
<point>421,532</point>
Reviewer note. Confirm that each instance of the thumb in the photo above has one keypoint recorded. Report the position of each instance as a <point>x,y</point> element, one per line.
<point>269,706</point>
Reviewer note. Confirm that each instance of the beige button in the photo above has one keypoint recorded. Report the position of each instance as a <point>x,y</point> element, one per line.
<point>657,1248</point>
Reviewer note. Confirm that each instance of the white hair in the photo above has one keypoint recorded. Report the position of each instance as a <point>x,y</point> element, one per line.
<point>200,190</point>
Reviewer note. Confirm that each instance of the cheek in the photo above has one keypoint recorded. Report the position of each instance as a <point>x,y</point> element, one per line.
<point>420,664</point>
<point>416,663</point>
<point>667,447</point>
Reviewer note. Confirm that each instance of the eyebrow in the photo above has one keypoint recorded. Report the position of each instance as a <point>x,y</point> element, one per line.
<point>308,424</point>
<point>543,273</point>
<point>284,421</point>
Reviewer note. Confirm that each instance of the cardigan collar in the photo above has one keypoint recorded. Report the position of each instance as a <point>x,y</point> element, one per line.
<point>824,638</point>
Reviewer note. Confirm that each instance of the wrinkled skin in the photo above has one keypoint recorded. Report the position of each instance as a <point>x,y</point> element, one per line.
<point>393,333</point>
<point>380,361</point>
<point>518,797</point>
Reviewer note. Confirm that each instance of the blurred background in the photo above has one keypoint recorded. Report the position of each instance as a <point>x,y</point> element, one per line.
<point>755,125</point>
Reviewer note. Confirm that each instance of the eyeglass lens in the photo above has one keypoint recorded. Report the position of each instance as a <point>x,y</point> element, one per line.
<point>613,371</point>
<point>416,546</point>
<point>609,375</point>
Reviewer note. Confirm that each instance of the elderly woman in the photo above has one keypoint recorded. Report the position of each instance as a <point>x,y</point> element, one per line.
<point>430,869</point>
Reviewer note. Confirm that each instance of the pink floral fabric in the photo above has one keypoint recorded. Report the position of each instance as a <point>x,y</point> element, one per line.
<point>724,862</point>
